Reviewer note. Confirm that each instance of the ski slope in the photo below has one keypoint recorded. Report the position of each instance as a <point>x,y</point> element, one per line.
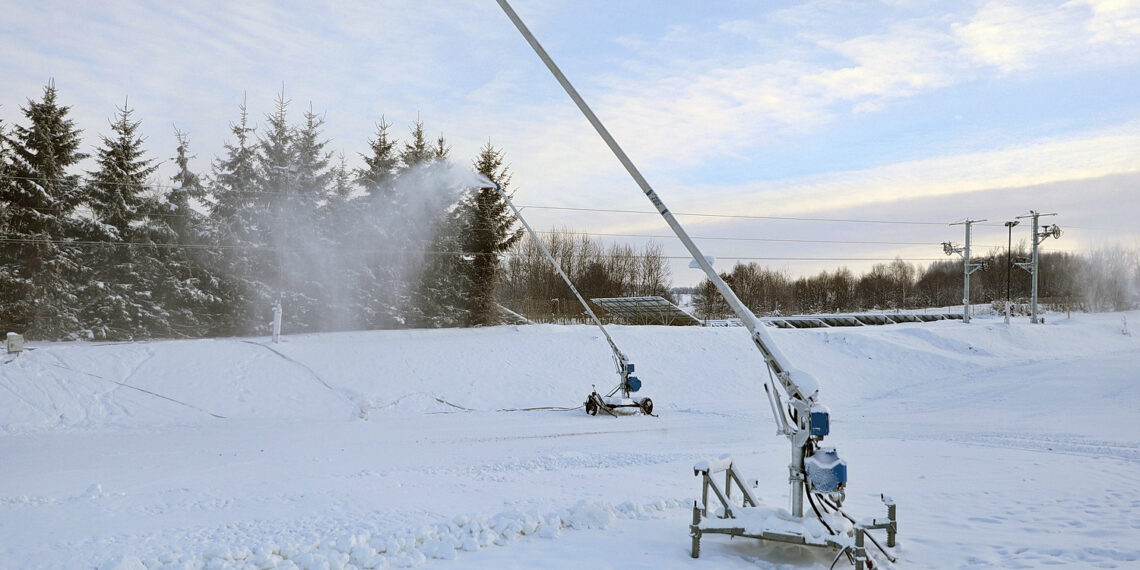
<point>1006,446</point>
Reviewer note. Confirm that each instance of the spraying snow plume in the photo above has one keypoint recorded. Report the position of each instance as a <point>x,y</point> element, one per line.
<point>354,262</point>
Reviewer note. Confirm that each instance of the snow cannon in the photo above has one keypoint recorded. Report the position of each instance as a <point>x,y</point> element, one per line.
<point>612,403</point>
<point>802,419</point>
<point>594,402</point>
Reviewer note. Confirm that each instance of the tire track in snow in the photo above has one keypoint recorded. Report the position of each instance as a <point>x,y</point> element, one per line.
<point>1129,452</point>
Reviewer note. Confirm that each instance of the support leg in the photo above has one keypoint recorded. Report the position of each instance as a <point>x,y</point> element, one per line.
<point>893,529</point>
<point>860,550</point>
<point>695,530</point>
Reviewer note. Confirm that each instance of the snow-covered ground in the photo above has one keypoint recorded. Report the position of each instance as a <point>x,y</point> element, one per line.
<point>1010,446</point>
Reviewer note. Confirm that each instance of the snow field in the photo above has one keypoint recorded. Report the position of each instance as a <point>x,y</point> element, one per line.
<point>409,548</point>
<point>1004,446</point>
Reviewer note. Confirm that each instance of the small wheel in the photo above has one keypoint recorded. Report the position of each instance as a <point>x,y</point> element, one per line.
<point>591,406</point>
<point>647,406</point>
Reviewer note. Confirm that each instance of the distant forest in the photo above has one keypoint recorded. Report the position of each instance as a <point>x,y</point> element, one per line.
<point>407,240</point>
<point>1105,280</point>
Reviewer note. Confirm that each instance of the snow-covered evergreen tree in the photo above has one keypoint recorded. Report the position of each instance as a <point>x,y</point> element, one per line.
<point>311,281</point>
<point>418,150</point>
<point>376,180</point>
<point>38,267</point>
<point>489,229</point>
<point>237,231</point>
<point>191,292</point>
<point>376,252</point>
<point>118,298</point>
<point>438,296</point>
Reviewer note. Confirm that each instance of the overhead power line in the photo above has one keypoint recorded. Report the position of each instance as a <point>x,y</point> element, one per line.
<point>89,243</point>
<point>577,209</point>
<point>740,216</point>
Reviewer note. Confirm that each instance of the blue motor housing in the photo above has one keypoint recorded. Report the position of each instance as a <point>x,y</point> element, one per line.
<point>827,472</point>
<point>633,383</point>
<point>820,420</point>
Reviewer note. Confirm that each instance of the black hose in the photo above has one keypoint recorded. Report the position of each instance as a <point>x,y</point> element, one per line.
<point>840,553</point>
<point>818,515</point>
<point>837,509</point>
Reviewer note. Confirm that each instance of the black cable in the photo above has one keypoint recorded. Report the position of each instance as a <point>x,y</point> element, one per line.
<point>819,516</point>
<point>837,509</point>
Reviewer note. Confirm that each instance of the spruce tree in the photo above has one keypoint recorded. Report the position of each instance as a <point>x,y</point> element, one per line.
<point>379,251</point>
<point>118,301</point>
<point>191,293</point>
<point>381,164</point>
<point>38,267</point>
<point>186,221</point>
<point>276,191</point>
<point>438,297</point>
<point>418,150</point>
<point>489,230</point>
<point>313,278</point>
<point>237,231</point>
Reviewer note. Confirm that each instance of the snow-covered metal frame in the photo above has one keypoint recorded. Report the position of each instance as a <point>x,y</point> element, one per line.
<point>752,521</point>
<point>648,310</point>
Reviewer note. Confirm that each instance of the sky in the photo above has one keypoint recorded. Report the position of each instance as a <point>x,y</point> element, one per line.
<point>807,135</point>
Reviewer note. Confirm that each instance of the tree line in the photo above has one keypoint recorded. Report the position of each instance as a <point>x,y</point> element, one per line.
<point>531,286</point>
<point>409,239</point>
<point>1107,279</point>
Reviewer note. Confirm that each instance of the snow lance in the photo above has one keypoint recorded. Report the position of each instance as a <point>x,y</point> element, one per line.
<point>815,472</point>
<point>627,384</point>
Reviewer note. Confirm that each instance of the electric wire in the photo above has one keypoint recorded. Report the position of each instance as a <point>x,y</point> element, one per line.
<point>267,248</point>
<point>547,207</point>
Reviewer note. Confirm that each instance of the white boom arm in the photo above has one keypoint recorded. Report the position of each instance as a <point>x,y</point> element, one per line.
<point>801,388</point>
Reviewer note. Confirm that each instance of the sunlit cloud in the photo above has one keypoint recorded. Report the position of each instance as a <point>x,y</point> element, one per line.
<point>1093,155</point>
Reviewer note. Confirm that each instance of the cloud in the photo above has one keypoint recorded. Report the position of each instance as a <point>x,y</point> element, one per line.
<point>1088,156</point>
<point>1114,21</point>
<point>1012,36</point>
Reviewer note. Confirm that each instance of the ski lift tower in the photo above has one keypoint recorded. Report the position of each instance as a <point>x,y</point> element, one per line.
<point>1039,235</point>
<point>967,267</point>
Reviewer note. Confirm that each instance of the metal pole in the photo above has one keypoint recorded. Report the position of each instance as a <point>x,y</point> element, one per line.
<point>1033,297</point>
<point>1033,268</point>
<point>966,271</point>
<point>1008,265</point>
<point>1008,257</point>
<point>967,268</point>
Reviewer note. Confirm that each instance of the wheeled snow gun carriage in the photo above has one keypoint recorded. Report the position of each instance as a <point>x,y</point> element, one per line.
<point>815,471</point>
<point>628,384</point>
<point>610,403</point>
